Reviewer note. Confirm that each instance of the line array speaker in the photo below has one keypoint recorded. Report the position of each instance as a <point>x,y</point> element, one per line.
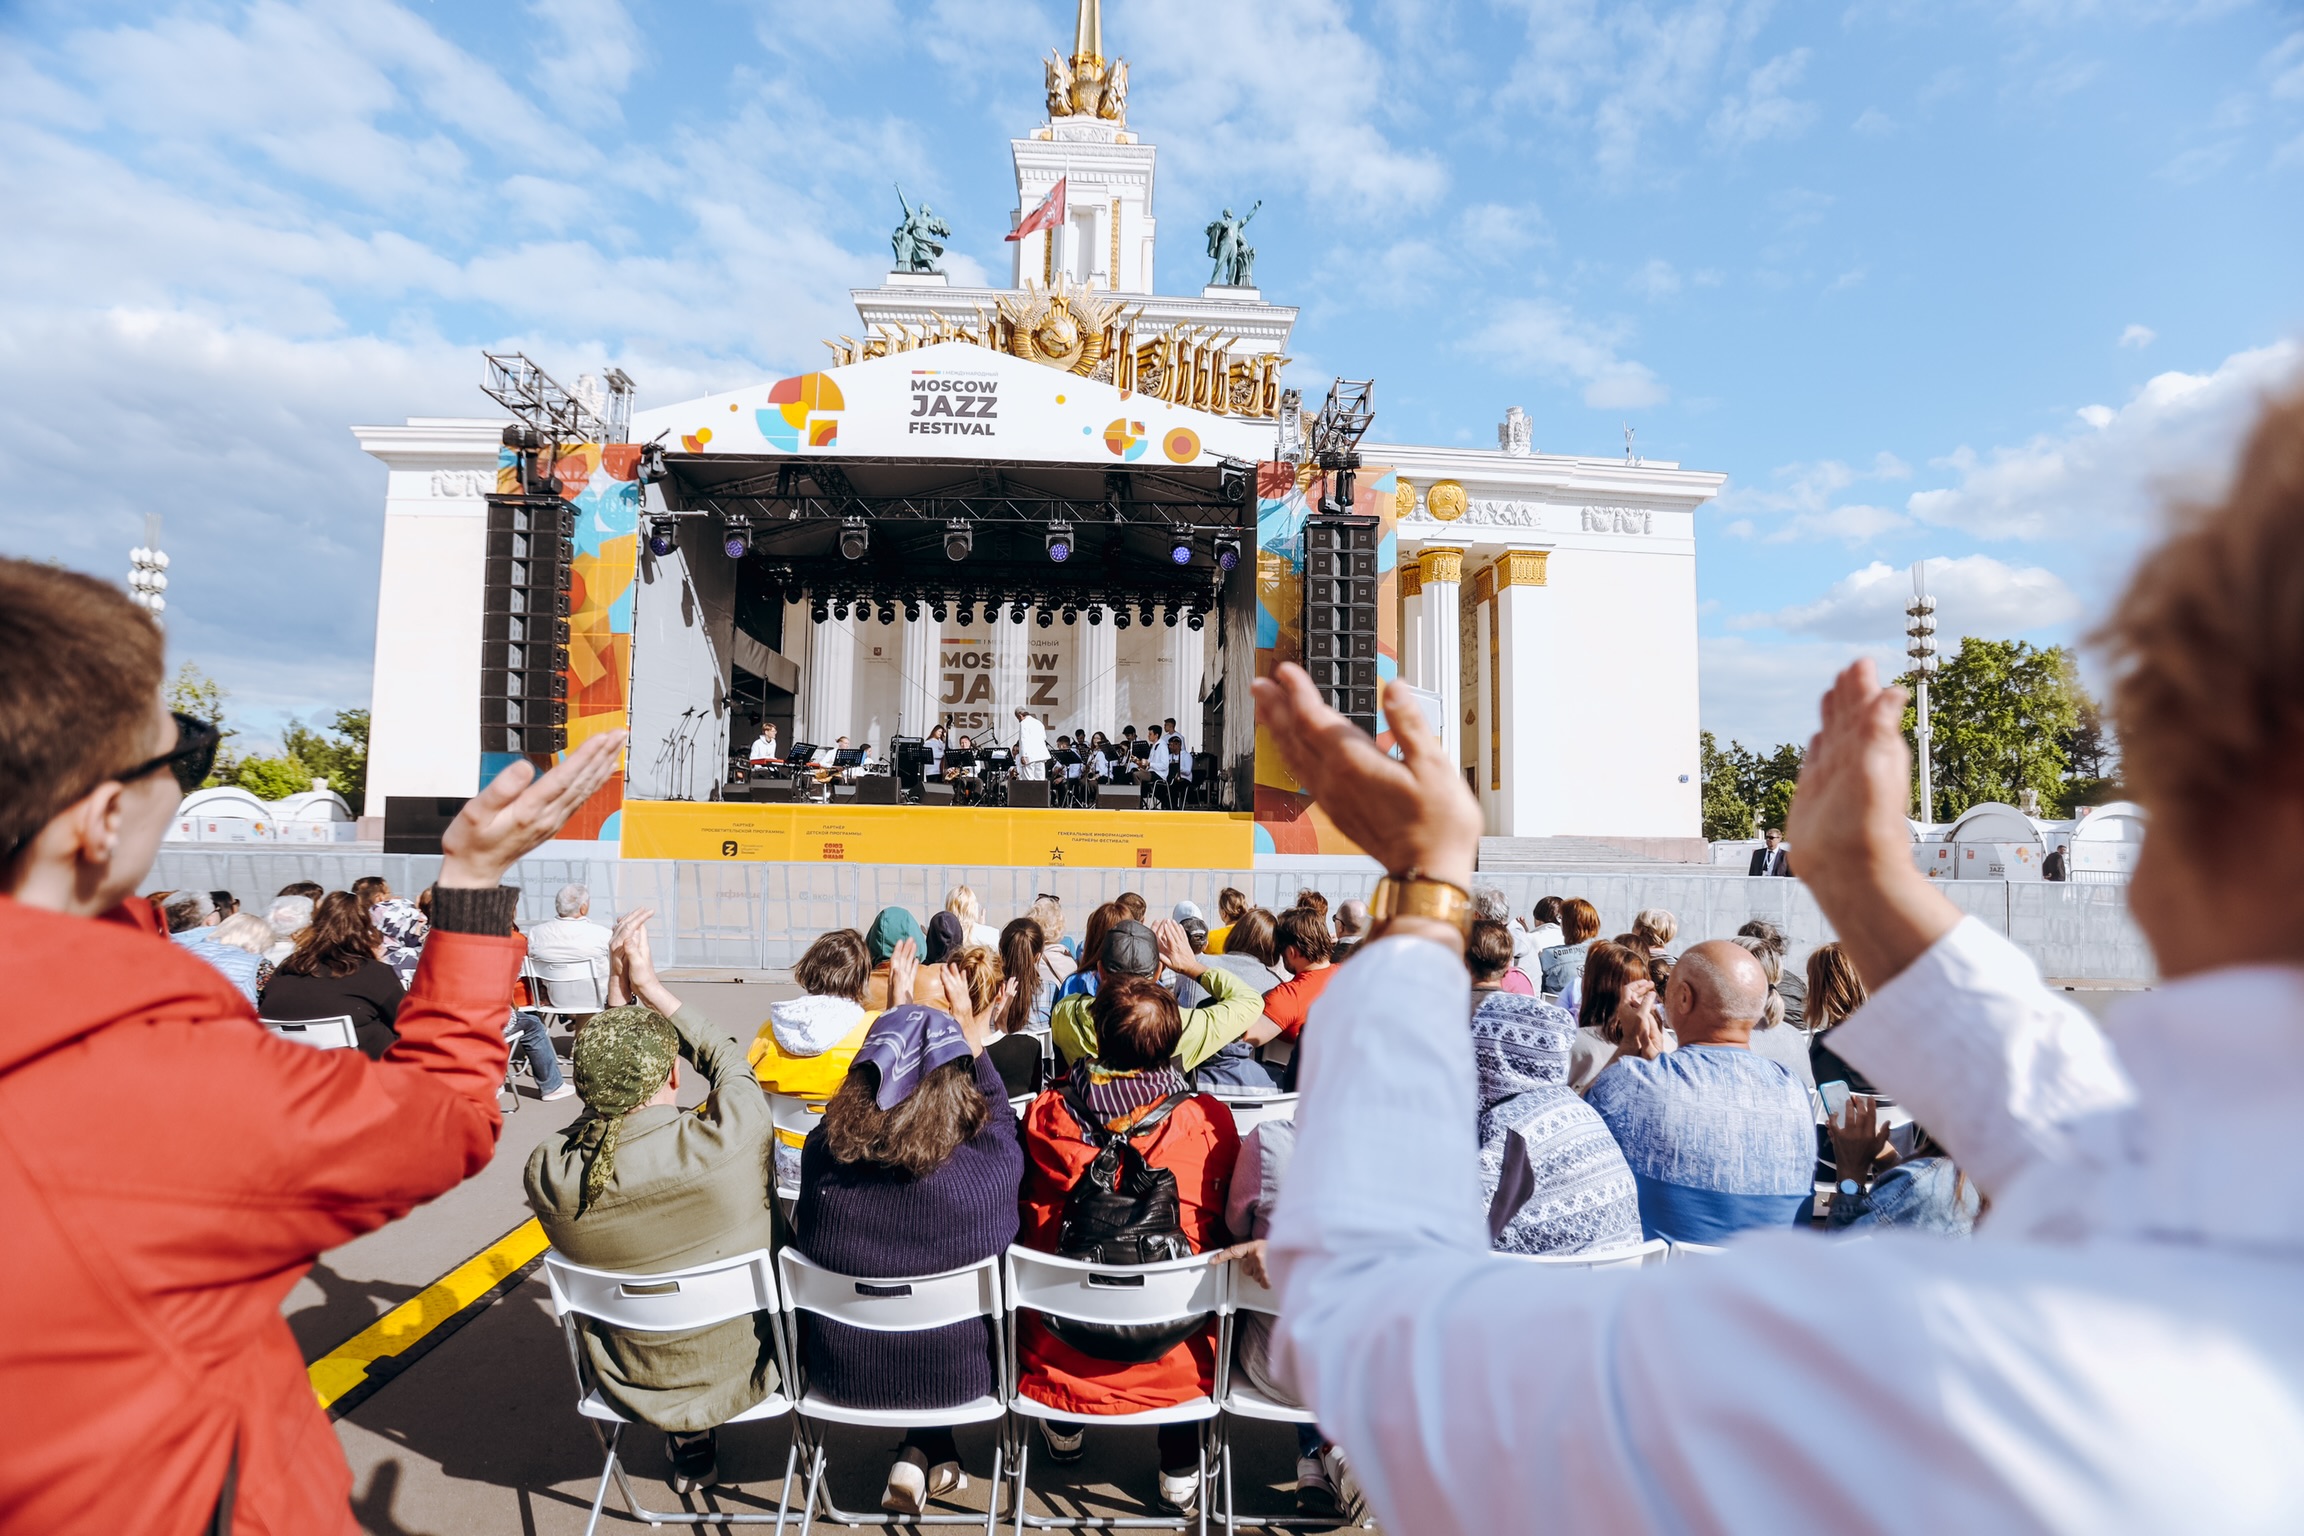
<point>1340,585</point>
<point>524,626</point>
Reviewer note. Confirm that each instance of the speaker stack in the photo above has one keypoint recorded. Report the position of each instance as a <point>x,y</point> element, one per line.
<point>524,607</point>
<point>1340,584</point>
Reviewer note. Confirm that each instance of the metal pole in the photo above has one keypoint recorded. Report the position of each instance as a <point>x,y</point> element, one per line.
<point>1921,630</point>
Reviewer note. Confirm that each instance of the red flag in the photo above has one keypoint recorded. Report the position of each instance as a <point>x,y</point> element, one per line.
<point>1049,214</point>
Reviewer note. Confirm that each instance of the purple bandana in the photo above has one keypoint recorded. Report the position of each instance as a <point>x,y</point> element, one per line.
<point>908,1043</point>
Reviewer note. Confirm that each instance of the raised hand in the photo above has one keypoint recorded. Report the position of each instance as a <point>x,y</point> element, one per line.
<point>519,811</point>
<point>1858,1138</point>
<point>1411,813</point>
<point>1176,948</point>
<point>903,967</point>
<point>1853,842</point>
<point>1638,1029</point>
<point>628,953</point>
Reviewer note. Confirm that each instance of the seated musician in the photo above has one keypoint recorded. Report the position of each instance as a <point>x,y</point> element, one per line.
<point>934,747</point>
<point>1179,772</point>
<point>820,766</point>
<point>764,748</point>
<point>967,787</point>
<point>1152,772</point>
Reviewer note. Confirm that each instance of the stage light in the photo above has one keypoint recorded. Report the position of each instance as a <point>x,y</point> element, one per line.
<point>965,613</point>
<point>1180,548</point>
<point>1072,614</point>
<point>1059,542</point>
<point>1169,618</point>
<point>1120,618</point>
<point>1047,617</point>
<point>855,537</point>
<point>1144,614</point>
<point>937,611</point>
<point>1015,613</point>
<point>887,613</point>
<point>819,613</point>
<point>651,467</point>
<point>737,541</point>
<point>840,609</point>
<point>1232,480</point>
<point>1227,551</point>
<point>661,539</point>
<point>959,538</point>
<point>911,612</point>
<point>1192,619</point>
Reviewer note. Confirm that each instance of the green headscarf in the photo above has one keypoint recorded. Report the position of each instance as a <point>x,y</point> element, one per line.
<point>892,927</point>
<point>622,1057</point>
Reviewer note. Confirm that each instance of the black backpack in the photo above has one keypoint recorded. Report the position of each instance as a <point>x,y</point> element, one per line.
<point>1122,1211</point>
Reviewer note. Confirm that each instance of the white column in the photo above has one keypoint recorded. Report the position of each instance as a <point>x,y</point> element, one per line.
<point>1098,686</point>
<point>1485,705</point>
<point>1528,805</point>
<point>1181,661</point>
<point>830,681</point>
<point>918,685</point>
<point>1437,643</point>
<point>1011,646</point>
<point>1412,624</point>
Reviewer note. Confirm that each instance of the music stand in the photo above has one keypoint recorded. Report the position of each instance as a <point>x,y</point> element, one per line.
<point>1065,758</point>
<point>848,757</point>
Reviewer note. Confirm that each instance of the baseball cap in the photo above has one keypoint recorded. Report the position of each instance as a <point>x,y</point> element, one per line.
<point>1130,950</point>
<point>1187,912</point>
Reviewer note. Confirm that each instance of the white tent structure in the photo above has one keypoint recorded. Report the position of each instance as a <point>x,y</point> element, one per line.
<point>318,815</point>
<point>2105,843</point>
<point>1989,841</point>
<point>226,814</point>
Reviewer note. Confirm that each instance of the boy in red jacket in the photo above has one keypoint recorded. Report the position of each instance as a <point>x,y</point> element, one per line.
<point>169,1170</point>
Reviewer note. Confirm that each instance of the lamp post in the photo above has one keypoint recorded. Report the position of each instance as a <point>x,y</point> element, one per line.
<point>147,570</point>
<point>1920,632</point>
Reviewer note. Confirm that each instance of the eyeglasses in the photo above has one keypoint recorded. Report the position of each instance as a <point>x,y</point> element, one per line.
<point>190,760</point>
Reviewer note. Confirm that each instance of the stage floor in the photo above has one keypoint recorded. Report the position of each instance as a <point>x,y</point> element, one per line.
<point>915,834</point>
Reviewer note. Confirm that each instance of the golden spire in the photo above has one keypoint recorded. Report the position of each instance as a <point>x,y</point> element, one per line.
<point>1088,35</point>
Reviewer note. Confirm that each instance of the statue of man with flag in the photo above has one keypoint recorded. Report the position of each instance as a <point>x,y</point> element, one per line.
<point>919,240</point>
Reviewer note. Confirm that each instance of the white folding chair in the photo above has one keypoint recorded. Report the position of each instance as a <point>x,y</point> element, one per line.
<point>567,989</point>
<point>668,1303</point>
<point>1654,1251</point>
<point>1692,1250</point>
<point>1096,1293</point>
<point>1242,1399</point>
<point>329,1034</point>
<point>791,1119</point>
<point>895,1306</point>
<point>1250,1110</point>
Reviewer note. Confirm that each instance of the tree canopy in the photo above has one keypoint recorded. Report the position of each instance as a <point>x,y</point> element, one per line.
<point>2010,716</point>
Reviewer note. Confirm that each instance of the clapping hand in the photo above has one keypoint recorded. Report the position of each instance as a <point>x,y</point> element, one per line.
<point>632,965</point>
<point>903,967</point>
<point>960,1002</point>
<point>1858,1138</point>
<point>1638,1023</point>
<point>519,811</point>
<point>1176,948</point>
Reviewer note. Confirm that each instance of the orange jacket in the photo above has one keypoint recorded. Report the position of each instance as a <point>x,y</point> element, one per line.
<point>168,1171</point>
<point>1198,1144</point>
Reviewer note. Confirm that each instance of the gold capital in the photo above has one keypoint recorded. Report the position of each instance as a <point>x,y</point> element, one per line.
<point>1411,580</point>
<point>1441,564</point>
<point>1522,568</point>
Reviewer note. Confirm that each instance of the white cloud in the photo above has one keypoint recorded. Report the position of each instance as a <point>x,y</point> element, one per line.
<point>2102,483</point>
<point>1975,595</point>
<point>1762,111</point>
<point>2286,66</point>
<point>2097,416</point>
<point>2138,336</point>
<point>1804,493</point>
<point>1547,339</point>
<point>1656,279</point>
<point>1763,692</point>
<point>1873,123</point>
<point>1620,74</point>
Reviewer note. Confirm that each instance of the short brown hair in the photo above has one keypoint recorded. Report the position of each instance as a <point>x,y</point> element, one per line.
<point>1305,931</point>
<point>1579,920</point>
<point>2206,644</point>
<point>340,938</point>
<point>1100,924</point>
<point>371,889</point>
<point>1230,903</point>
<point>1548,909</point>
<point>1834,989</point>
<point>836,965</point>
<point>1309,897</point>
<point>1608,970</point>
<point>1130,903</point>
<point>1488,949</point>
<point>1137,1023</point>
<point>941,1115</point>
<point>76,697</point>
<point>982,968</point>
<point>1253,936</point>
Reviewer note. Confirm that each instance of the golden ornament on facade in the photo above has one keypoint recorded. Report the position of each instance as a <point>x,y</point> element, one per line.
<point>1522,568</point>
<point>1446,501</point>
<point>1442,564</point>
<point>1404,499</point>
<point>1060,328</point>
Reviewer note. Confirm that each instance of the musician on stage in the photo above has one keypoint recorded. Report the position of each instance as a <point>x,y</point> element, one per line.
<point>764,749</point>
<point>1031,746</point>
<point>1100,756</point>
<point>1179,772</point>
<point>934,747</point>
<point>967,786</point>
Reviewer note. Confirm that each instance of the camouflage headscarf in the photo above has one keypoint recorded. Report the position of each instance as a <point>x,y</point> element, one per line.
<point>622,1057</point>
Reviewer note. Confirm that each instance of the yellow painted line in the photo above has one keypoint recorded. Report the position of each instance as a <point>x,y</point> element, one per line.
<point>346,1366</point>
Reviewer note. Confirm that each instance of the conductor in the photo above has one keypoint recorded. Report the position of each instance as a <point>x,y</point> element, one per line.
<point>1031,745</point>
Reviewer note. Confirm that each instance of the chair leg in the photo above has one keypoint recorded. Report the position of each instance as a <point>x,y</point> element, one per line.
<point>815,1481</point>
<point>999,1481</point>
<point>1231,1510</point>
<point>784,1494</point>
<point>1023,1471</point>
<point>606,1469</point>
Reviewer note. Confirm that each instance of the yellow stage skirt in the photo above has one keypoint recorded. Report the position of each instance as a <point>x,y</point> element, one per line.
<point>912,834</point>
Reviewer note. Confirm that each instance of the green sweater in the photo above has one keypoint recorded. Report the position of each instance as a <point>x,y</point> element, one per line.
<point>689,1187</point>
<point>1231,1008</point>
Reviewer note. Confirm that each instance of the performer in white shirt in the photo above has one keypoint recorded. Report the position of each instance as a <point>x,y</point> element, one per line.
<point>764,746</point>
<point>1031,746</point>
<point>2117,1350</point>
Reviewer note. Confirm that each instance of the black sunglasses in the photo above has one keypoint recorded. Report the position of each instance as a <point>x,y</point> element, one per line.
<point>190,760</point>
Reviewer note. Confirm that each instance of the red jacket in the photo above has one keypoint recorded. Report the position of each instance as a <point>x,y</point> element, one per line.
<point>168,1171</point>
<point>1197,1143</point>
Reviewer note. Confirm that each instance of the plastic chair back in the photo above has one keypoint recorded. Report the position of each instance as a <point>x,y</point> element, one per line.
<point>666,1303</point>
<point>1654,1251</point>
<point>892,1306</point>
<point>1252,1110</point>
<point>569,986</point>
<point>330,1034</point>
<point>1097,1293</point>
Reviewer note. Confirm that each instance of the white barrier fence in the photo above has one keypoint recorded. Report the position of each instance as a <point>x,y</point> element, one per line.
<point>747,916</point>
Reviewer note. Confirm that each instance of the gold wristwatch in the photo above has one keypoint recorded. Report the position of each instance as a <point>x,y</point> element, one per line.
<point>1415,894</point>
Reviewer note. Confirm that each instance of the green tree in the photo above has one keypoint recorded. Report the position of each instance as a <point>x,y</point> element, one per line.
<point>274,778</point>
<point>340,757</point>
<point>193,692</point>
<point>1740,784</point>
<point>2002,712</point>
<point>2092,771</point>
<point>1727,814</point>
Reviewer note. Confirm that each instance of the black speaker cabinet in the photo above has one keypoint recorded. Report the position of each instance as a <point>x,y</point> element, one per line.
<point>935,792</point>
<point>1028,794</point>
<point>414,823</point>
<point>876,789</point>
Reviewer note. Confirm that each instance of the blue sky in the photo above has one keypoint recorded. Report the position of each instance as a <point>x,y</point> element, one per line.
<point>1972,282</point>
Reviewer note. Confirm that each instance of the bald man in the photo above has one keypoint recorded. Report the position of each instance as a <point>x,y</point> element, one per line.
<point>1719,1139</point>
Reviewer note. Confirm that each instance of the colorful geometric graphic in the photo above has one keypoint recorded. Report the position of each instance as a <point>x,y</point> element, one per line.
<point>1182,445</point>
<point>1125,438</point>
<point>806,409</point>
<point>694,441</point>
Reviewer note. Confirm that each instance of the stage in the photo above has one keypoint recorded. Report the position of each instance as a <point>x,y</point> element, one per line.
<point>913,834</point>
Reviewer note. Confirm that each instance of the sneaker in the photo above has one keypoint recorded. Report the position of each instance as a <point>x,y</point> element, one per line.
<point>695,1461</point>
<point>912,1483</point>
<point>1180,1491</point>
<point>1064,1448</point>
<point>564,1091</point>
<point>1351,1503</point>
<point>1315,1490</point>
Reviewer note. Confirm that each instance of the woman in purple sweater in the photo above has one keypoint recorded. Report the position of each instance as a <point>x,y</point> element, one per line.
<point>913,1171</point>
